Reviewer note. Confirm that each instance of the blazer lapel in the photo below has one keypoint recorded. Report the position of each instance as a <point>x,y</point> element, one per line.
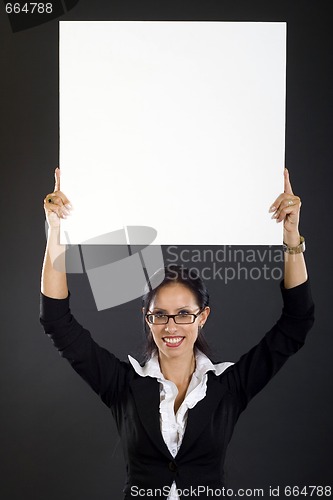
<point>146,394</point>
<point>198,417</point>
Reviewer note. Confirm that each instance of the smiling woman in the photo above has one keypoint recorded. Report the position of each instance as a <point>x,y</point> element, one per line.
<point>182,293</point>
<point>176,412</point>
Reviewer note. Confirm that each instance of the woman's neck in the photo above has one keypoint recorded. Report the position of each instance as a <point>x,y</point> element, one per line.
<point>179,370</point>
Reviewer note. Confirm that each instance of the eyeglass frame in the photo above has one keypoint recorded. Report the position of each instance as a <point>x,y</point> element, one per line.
<point>173,317</point>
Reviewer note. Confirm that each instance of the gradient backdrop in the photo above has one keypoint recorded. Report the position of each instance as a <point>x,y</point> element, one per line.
<point>58,440</point>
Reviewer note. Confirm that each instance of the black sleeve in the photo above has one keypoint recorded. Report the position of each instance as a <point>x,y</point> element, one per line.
<point>105,373</point>
<point>255,368</point>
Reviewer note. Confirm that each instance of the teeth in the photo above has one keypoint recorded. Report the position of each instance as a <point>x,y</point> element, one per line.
<point>173,340</point>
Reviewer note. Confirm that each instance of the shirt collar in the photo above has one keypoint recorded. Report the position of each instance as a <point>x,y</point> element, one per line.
<point>203,364</point>
<point>150,369</point>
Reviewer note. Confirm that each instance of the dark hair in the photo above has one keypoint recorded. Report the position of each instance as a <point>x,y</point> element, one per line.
<point>163,277</point>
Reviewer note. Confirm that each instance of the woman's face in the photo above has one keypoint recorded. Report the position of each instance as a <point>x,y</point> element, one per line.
<point>171,339</point>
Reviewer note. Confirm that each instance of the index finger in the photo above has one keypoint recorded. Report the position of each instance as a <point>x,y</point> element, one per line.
<point>287,185</point>
<point>57,179</point>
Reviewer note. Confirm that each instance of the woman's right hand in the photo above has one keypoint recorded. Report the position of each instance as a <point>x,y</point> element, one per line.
<point>54,281</point>
<point>56,205</point>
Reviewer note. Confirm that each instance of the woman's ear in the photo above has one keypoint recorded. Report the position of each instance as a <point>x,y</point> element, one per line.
<point>204,315</point>
<point>143,312</point>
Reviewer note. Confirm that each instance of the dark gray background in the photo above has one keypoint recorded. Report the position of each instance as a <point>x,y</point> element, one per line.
<point>58,441</point>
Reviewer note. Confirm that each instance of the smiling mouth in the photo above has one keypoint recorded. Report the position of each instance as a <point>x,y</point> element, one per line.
<point>173,341</point>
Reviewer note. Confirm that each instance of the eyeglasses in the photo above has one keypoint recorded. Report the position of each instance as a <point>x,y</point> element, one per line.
<point>179,319</point>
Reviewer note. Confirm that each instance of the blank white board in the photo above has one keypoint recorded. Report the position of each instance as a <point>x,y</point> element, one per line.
<point>174,126</point>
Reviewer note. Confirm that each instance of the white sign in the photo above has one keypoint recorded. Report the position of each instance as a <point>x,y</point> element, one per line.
<point>175,128</point>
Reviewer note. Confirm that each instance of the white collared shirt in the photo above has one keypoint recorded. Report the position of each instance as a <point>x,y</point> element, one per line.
<point>173,425</point>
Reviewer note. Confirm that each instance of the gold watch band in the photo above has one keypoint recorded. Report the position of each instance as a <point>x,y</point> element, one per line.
<point>294,250</point>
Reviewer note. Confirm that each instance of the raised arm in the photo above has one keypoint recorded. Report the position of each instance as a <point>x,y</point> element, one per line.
<point>256,368</point>
<point>286,208</point>
<point>54,281</point>
<point>105,373</point>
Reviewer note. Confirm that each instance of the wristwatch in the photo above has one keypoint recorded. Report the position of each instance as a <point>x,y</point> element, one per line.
<point>293,250</point>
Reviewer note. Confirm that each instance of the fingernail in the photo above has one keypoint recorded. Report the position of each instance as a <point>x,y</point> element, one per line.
<point>274,216</point>
<point>272,208</point>
<point>69,206</point>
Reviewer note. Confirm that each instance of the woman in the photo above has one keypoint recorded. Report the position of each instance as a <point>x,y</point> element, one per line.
<point>176,413</point>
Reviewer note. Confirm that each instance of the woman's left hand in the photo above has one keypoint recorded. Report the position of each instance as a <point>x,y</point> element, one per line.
<point>286,208</point>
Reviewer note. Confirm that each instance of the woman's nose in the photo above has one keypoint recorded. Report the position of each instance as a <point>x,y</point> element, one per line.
<point>171,326</point>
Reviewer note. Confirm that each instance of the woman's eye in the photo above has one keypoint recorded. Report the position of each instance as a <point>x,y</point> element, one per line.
<point>183,312</point>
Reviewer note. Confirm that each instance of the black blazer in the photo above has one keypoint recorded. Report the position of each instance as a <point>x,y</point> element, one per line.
<point>134,400</point>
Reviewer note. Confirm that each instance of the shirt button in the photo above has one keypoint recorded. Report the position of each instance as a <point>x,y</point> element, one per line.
<point>172,466</point>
